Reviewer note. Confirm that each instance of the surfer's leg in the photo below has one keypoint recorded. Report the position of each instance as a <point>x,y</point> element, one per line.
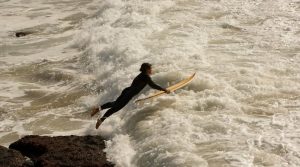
<point>109,112</point>
<point>107,105</point>
<point>104,106</point>
<point>117,106</point>
<point>111,104</point>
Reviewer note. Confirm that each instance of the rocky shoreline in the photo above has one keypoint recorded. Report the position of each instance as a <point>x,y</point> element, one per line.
<point>45,151</point>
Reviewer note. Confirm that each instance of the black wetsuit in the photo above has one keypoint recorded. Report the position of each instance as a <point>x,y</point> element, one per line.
<point>128,93</point>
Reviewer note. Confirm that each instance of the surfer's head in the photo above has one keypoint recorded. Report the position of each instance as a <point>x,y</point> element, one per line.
<point>146,68</point>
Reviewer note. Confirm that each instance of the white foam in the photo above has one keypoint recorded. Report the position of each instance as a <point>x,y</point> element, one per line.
<point>233,47</point>
<point>121,158</point>
<point>240,110</point>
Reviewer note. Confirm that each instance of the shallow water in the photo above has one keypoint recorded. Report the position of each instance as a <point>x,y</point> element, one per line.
<point>242,109</point>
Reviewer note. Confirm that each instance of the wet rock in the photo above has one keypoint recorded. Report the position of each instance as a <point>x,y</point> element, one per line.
<point>63,150</point>
<point>10,158</point>
<point>21,34</point>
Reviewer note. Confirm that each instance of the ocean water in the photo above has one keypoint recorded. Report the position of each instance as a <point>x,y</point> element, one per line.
<point>242,109</point>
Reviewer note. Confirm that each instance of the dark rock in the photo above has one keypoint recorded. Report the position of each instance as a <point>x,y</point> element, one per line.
<point>21,34</point>
<point>63,150</point>
<point>10,158</point>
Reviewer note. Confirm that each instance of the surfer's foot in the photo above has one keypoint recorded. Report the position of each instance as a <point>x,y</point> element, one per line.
<point>99,122</point>
<point>95,110</point>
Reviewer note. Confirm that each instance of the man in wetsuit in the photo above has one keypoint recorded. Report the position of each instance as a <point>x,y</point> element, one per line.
<point>128,93</point>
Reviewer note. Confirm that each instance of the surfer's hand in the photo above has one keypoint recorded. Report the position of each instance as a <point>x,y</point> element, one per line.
<point>167,91</point>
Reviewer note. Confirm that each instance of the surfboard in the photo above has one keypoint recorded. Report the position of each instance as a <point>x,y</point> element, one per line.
<point>170,88</point>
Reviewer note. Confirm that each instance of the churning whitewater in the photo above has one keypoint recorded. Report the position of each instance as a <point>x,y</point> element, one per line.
<point>242,108</point>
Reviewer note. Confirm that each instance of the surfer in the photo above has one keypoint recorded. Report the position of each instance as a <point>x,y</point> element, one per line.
<point>128,93</point>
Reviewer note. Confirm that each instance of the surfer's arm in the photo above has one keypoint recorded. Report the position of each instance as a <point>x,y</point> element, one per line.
<point>154,85</point>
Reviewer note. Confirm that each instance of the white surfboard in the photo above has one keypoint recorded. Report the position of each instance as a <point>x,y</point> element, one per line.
<point>171,88</point>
